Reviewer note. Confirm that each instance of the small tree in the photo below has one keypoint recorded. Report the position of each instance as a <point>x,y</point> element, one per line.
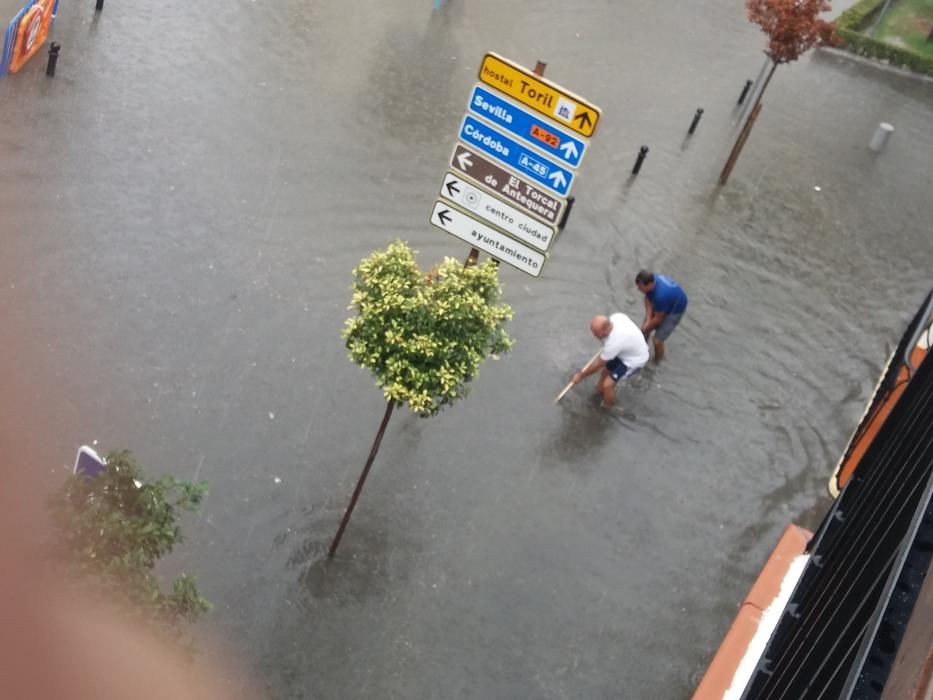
<point>112,529</point>
<point>423,336</point>
<point>793,27</point>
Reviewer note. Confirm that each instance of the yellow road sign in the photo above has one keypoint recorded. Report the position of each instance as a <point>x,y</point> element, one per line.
<point>541,95</point>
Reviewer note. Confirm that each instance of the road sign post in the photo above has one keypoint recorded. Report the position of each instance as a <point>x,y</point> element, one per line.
<point>507,115</point>
<point>496,212</point>
<point>511,171</point>
<point>487,239</point>
<point>502,183</point>
<point>517,157</point>
<point>541,95</point>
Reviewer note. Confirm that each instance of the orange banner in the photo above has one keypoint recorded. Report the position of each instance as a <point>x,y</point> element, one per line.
<point>31,34</point>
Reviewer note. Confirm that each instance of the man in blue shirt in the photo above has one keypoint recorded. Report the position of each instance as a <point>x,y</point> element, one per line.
<point>665,304</point>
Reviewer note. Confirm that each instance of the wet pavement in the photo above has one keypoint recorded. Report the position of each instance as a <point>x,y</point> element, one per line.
<point>182,206</point>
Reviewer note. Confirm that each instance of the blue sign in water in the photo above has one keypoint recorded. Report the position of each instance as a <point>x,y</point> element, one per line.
<point>88,462</point>
<point>516,156</point>
<point>536,131</point>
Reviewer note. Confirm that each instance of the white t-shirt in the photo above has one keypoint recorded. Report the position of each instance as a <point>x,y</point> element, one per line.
<point>625,341</point>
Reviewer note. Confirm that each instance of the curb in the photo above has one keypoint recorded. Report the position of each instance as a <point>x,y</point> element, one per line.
<point>885,67</point>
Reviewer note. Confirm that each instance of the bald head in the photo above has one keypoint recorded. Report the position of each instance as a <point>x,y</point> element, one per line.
<point>600,326</point>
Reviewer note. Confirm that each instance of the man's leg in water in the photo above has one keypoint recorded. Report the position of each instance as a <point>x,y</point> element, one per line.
<point>599,382</point>
<point>658,349</point>
<point>607,388</point>
<point>662,333</point>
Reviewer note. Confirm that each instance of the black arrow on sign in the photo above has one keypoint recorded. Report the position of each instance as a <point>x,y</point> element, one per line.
<point>443,216</point>
<point>451,189</point>
<point>584,118</point>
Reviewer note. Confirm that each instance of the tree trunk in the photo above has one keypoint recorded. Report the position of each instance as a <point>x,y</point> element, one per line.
<point>739,144</point>
<point>756,88</point>
<point>359,484</point>
<point>746,129</point>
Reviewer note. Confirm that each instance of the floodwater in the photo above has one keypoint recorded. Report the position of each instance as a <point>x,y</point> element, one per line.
<point>181,209</point>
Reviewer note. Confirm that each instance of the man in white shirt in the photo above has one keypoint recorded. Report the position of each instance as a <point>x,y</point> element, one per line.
<point>624,353</point>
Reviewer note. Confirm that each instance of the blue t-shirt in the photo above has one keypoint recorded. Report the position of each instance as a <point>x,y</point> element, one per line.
<point>667,296</point>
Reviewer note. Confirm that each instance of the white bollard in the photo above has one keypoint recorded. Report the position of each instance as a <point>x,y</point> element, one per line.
<point>882,133</point>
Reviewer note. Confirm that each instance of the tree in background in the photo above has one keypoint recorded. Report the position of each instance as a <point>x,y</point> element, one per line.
<point>793,27</point>
<point>423,336</point>
<point>112,529</point>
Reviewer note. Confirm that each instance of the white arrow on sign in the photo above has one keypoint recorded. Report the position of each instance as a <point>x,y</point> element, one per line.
<point>487,239</point>
<point>570,150</point>
<point>557,178</point>
<point>511,220</point>
<point>463,160</point>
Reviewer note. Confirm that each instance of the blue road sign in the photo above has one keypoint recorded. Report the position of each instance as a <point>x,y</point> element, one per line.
<point>88,463</point>
<point>539,132</point>
<point>518,157</point>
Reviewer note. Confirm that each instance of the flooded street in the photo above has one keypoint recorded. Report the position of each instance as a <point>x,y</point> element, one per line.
<point>182,207</point>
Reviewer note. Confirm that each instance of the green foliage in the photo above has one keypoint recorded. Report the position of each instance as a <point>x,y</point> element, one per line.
<point>424,336</point>
<point>111,531</point>
<point>857,16</point>
<point>866,46</point>
<point>907,24</point>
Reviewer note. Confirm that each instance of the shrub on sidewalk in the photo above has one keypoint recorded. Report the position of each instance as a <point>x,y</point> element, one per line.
<point>857,16</point>
<point>424,336</point>
<point>866,46</point>
<point>111,531</point>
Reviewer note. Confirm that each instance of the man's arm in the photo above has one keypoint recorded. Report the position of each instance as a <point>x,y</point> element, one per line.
<point>653,318</point>
<point>591,368</point>
<point>649,312</point>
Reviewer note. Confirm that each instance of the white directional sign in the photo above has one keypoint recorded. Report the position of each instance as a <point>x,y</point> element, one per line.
<point>520,145</point>
<point>487,239</point>
<point>495,211</point>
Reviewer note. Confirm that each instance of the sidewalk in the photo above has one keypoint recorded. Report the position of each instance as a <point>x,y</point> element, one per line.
<point>839,6</point>
<point>8,10</point>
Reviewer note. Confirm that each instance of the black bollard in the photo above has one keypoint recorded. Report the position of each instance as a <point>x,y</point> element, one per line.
<point>100,5</point>
<point>54,48</point>
<point>563,220</point>
<point>748,86</point>
<point>696,120</point>
<point>642,154</point>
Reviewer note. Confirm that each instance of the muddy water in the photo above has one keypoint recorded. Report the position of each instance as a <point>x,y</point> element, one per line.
<point>182,207</point>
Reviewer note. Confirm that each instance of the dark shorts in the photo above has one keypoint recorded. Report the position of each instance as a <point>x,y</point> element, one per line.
<point>619,370</point>
<point>667,326</point>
